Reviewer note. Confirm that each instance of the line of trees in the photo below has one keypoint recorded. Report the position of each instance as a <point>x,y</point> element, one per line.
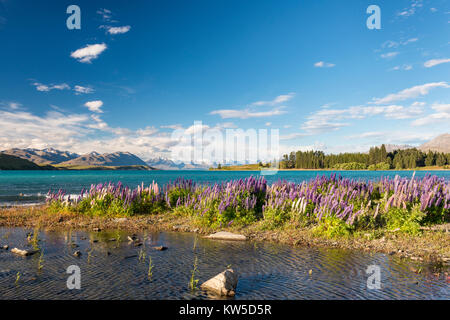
<point>377,159</point>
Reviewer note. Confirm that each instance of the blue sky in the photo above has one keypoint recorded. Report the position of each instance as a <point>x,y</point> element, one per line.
<point>138,69</point>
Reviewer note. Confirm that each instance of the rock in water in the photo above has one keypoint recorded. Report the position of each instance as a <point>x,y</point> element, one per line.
<point>160,248</point>
<point>223,284</point>
<point>23,252</point>
<point>223,235</point>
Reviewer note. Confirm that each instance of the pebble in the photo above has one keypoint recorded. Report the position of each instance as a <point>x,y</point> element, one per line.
<point>77,253</point>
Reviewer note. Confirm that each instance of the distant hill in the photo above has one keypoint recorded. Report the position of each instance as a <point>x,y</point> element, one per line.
<point>45,156</point>
<point>393,147</point>
<point>8,162</point>
<point>164,164</point>
<point>167,164</point>
<point>106,159</point>
<point>439,144</point>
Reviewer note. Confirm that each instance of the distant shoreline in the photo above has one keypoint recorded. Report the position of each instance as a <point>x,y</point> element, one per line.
<point>330,169</point>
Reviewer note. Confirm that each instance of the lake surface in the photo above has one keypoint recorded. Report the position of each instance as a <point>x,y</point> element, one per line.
<point>266,270</point>
<point>30,187</point>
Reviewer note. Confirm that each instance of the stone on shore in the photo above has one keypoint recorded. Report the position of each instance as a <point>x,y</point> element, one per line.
<point>160,248</point>
<point>224,284</point>
<point>223,235</point>
<point>24,252</point>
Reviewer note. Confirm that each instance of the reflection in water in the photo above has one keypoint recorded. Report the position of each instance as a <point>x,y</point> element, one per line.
<point>111,268</point>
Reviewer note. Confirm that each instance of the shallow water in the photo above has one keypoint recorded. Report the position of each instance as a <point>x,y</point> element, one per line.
<point>30,187</point>
<point>266,270</point>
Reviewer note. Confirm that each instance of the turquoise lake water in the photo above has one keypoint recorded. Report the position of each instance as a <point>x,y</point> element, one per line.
<point>29,187</point>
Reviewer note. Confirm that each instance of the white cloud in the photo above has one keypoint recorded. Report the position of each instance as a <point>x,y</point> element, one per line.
<point>94,106</point>
<point>147,131</point>
<point>326,119</point>
<point>118,30</point>
<point>45,88</point>
<point>323,64</point>
<point>411,10</point>
<point>405,67</point>
<point>410,93</point>
<point>89,52</point>
<point>293,136</point>
<point>247,113</point>
<point>172,126</point>
<point>105,13</point>
<point>11,105</point>
<point>389,55</point>
<point>441,114</point>
<point>317,125</point>
<point>77,133</point>
<point>435,62</point>
<point>81,90</point>
<point>278,100</point>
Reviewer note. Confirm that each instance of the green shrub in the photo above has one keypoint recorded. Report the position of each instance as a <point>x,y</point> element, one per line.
<point>404,220</point>
<point>333,227</point>
<point>276,217</point>
<point>379,166</point>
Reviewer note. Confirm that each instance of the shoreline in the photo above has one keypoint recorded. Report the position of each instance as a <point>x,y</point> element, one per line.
<point>431,246</point>
<point>334,170</point>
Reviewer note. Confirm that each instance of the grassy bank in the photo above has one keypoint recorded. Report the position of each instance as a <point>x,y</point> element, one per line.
<point>256,167</point>
<point>389,215</point>
<point>431,245</point>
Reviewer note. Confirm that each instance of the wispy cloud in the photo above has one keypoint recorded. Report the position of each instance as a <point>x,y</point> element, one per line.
<point>172,126</point>
<point>278,100</point>
<point>389,55</point>
<point>11,105</point>
<point>82,90</point>
<point>405,67</point>
<point>89,52</point>
<point>435,62</point>
<point>118,30</point>
<point>293,136</point>
<point>105,14</point>
<point>323,64</point>
<point>410,93</point>
<point>441,114</point>
<point>412,9</point>
<point>395,44</point>
<point>46,88</point>
<point>247,113</point>
<point>94,106</point>
<point>318,125</point>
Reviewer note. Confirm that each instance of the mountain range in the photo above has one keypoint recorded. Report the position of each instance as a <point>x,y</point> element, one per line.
<point>41,157</point>
<point>65,159</point>
<point>58,158</point>
<point>167,164</point>
<point>439,144</point>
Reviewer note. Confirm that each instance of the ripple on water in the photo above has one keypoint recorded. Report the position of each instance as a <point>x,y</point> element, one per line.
<point>112,269</point>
